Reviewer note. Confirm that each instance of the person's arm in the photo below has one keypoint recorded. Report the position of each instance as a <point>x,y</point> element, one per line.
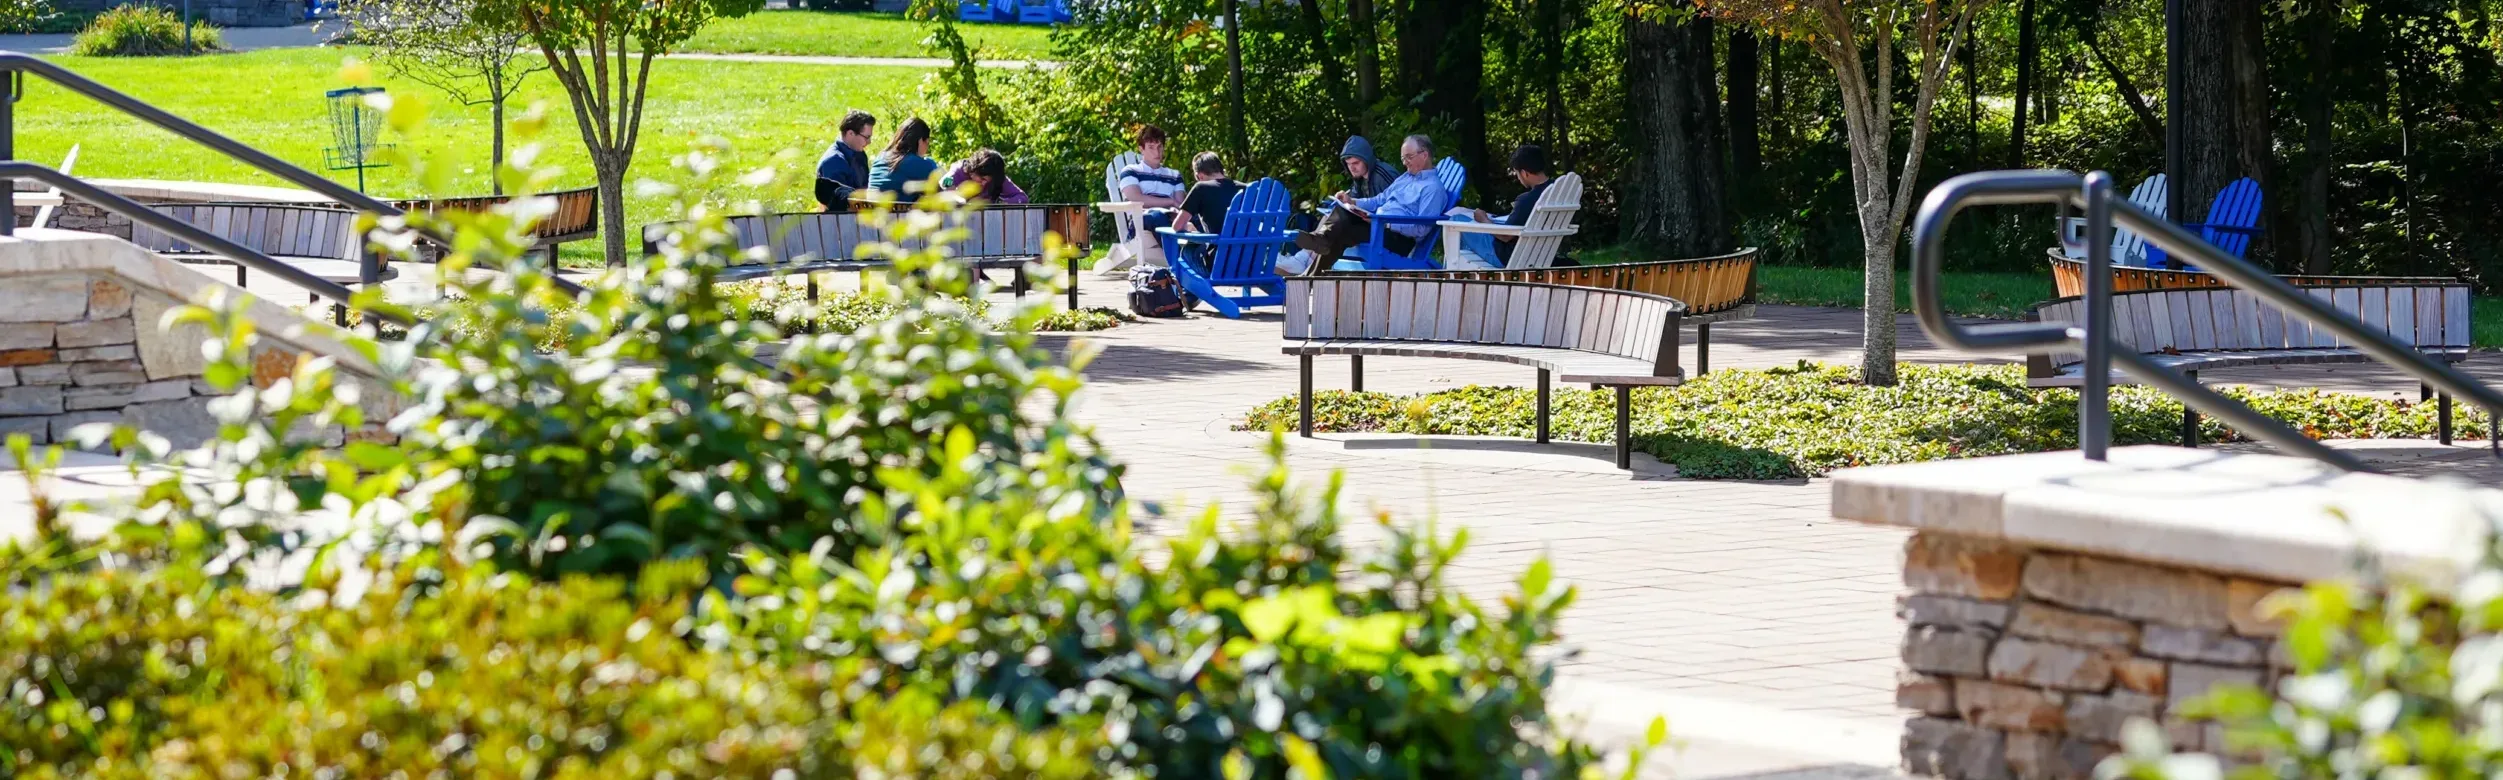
<point>1010,193</point>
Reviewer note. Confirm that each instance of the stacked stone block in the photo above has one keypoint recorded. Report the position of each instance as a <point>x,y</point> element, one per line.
<point>80,348</point>
<point>2024,664</point>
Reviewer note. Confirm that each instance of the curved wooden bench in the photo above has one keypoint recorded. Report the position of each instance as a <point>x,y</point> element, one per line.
<point>808,243</point>
<point>1601,337</point>
<point>2068,277</point>
<point>577,214</point>
<point>2207,329</point>
<point>319,241</point>
<point>1714,289</point>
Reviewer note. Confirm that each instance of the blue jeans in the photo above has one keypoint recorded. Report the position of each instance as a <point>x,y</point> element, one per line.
<point>1480,244</point>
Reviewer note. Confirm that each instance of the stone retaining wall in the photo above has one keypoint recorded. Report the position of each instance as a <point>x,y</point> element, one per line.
<point>2050,599</point>
<point>79,348</point>
<point>2024,663</point>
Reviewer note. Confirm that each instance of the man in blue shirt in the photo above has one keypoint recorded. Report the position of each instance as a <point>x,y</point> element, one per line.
<point>1414,194</point>
<point>845,166</point>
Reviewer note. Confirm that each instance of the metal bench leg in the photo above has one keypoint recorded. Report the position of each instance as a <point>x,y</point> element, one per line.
<point>812,286</point>
<point>1355,373</point>
<point>239,270</point>
<point>1703,349</point>
<point>1073,282</point>
<point>1542,406</point>
<point>2424,392</point>
<point>1625,426</point>
<point>1305,398</point>
<point>2190,418</point>
<point>2442,415</point>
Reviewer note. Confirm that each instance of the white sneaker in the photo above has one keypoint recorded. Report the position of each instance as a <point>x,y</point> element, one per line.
<point>1295,264</point>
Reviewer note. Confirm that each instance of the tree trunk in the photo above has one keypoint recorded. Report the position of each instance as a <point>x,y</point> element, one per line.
<point>1775,98</point>
<point>1551,77</point>
<point>1746,147</point>
<point>611,173</point>
<point>2314,236</point>
<point>2027,50</point>
<point>2224,105</point>
<point>1972,96</point>
<point>1368,61</point>
<point>495,154</point>
<point>1237,146</point>
<point>1425,28</point>
<point>1461,76</point>
<point>1317,41</point>
<point>1675,192</point>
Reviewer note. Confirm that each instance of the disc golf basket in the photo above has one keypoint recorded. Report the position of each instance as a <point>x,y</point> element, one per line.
<point>354,129</point>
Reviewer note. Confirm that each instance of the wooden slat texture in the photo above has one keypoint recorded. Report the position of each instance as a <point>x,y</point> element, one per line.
<point>1298,315</point>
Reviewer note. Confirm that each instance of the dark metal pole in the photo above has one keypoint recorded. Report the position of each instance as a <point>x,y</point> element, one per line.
<point>1542,406</point>
<point>8,151</point>
<point>1304,399</point>
<point>2094,407</point>
<point>2174,185</point>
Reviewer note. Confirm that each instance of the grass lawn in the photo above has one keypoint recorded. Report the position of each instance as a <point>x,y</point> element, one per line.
<point>272,99</point>
<point>853,34</point>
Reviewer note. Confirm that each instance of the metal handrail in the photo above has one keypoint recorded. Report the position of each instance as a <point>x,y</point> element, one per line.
<point>2093,195</point>
<point>17,64</point>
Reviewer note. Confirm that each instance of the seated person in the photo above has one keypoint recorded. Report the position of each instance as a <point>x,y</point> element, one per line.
<point>905,167</point>
<point>988,171</point>
<point>1149,183</point>
<point>844,169</point>
<point>1416,193</point>
<point>1487,250</point>
<point>1203,210</point>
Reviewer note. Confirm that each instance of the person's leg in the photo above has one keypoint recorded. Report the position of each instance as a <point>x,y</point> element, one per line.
<point>1338,231</point>
<point>1398,243</point>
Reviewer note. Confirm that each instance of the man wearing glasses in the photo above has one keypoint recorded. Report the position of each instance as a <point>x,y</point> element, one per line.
<point>1414,194</point>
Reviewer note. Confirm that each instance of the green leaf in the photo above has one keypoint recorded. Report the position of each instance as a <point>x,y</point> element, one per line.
<point>1542,574</point>
<point>1658,734</point>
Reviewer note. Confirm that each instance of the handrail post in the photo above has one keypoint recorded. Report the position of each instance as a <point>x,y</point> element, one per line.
<point>8,151</point>
<point>2094,395</point>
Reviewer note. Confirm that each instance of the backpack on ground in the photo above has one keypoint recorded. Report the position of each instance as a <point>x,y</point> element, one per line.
<point>1155,293</point>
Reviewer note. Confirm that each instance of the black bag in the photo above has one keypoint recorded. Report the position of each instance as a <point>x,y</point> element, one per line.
<point>1155,293</point>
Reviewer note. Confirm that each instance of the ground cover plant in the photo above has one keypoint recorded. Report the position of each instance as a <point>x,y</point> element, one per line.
<point>822,34</point>
<point>891,554</point>
<point>1810,419</point>
<point>141,30</point>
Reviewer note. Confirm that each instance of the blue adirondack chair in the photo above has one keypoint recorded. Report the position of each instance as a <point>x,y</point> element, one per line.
<point>1373,256</point>
<point>1035,12</point>
<point>2233,218</point>
<point>973,10</point>
<point>1245,255</point>
<point>1060,12</point>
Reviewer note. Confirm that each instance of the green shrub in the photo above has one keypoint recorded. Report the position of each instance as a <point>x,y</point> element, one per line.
<point>893,555</point>
<point>140,30</point>
<point>1805,421</point>
<point>27,16</point>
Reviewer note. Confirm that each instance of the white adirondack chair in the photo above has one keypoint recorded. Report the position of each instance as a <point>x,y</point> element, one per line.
<point>2128,248</point>
<point>1534,242</point>
<point>1134,244</point>
<point>50,201</point>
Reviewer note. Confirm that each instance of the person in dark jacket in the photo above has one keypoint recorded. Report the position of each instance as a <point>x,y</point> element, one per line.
<point>844,168</point>
<point>1372,177</point>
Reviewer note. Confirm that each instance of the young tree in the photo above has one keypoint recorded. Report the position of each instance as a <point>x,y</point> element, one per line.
<point>602,51</point>
<point>1857,39</point>
<point>444,44</point>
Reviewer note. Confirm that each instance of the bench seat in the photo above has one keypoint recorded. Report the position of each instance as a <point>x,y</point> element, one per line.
<point>1715,289</point>
<point>1605,338</point>
<point>746,271</point>
<point>1568,365</point>
<point>328,269</point>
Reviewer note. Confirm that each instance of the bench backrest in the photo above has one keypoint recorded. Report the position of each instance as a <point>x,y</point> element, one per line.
<point>274,230</point>
<point>1707,285</point>
<point>2068,279</point>
<point>2427,316</point>
<point>1372,307</point>
<point>577,211</point>
<point>1258,211</point>
<point>992,232</point>
<point>1553,212</point>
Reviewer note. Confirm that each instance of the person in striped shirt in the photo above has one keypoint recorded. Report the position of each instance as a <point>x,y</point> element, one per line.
<point>1149,183</point>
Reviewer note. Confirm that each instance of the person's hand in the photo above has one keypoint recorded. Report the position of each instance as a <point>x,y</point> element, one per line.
<point>1342,198</point>
<point>1480,214</point>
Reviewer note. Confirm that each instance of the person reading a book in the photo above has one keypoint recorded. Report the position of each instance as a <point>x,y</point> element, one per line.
<point>1486,250</point>
<point>1414,194</point>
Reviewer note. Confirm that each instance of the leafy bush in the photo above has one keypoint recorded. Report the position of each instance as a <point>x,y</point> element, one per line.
<point>1805,421</point>
<point>141,30</point>
<point>891,555</point>
<point>27,16</point>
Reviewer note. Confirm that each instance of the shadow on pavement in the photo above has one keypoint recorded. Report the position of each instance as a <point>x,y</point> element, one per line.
<point>1127,363</point>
